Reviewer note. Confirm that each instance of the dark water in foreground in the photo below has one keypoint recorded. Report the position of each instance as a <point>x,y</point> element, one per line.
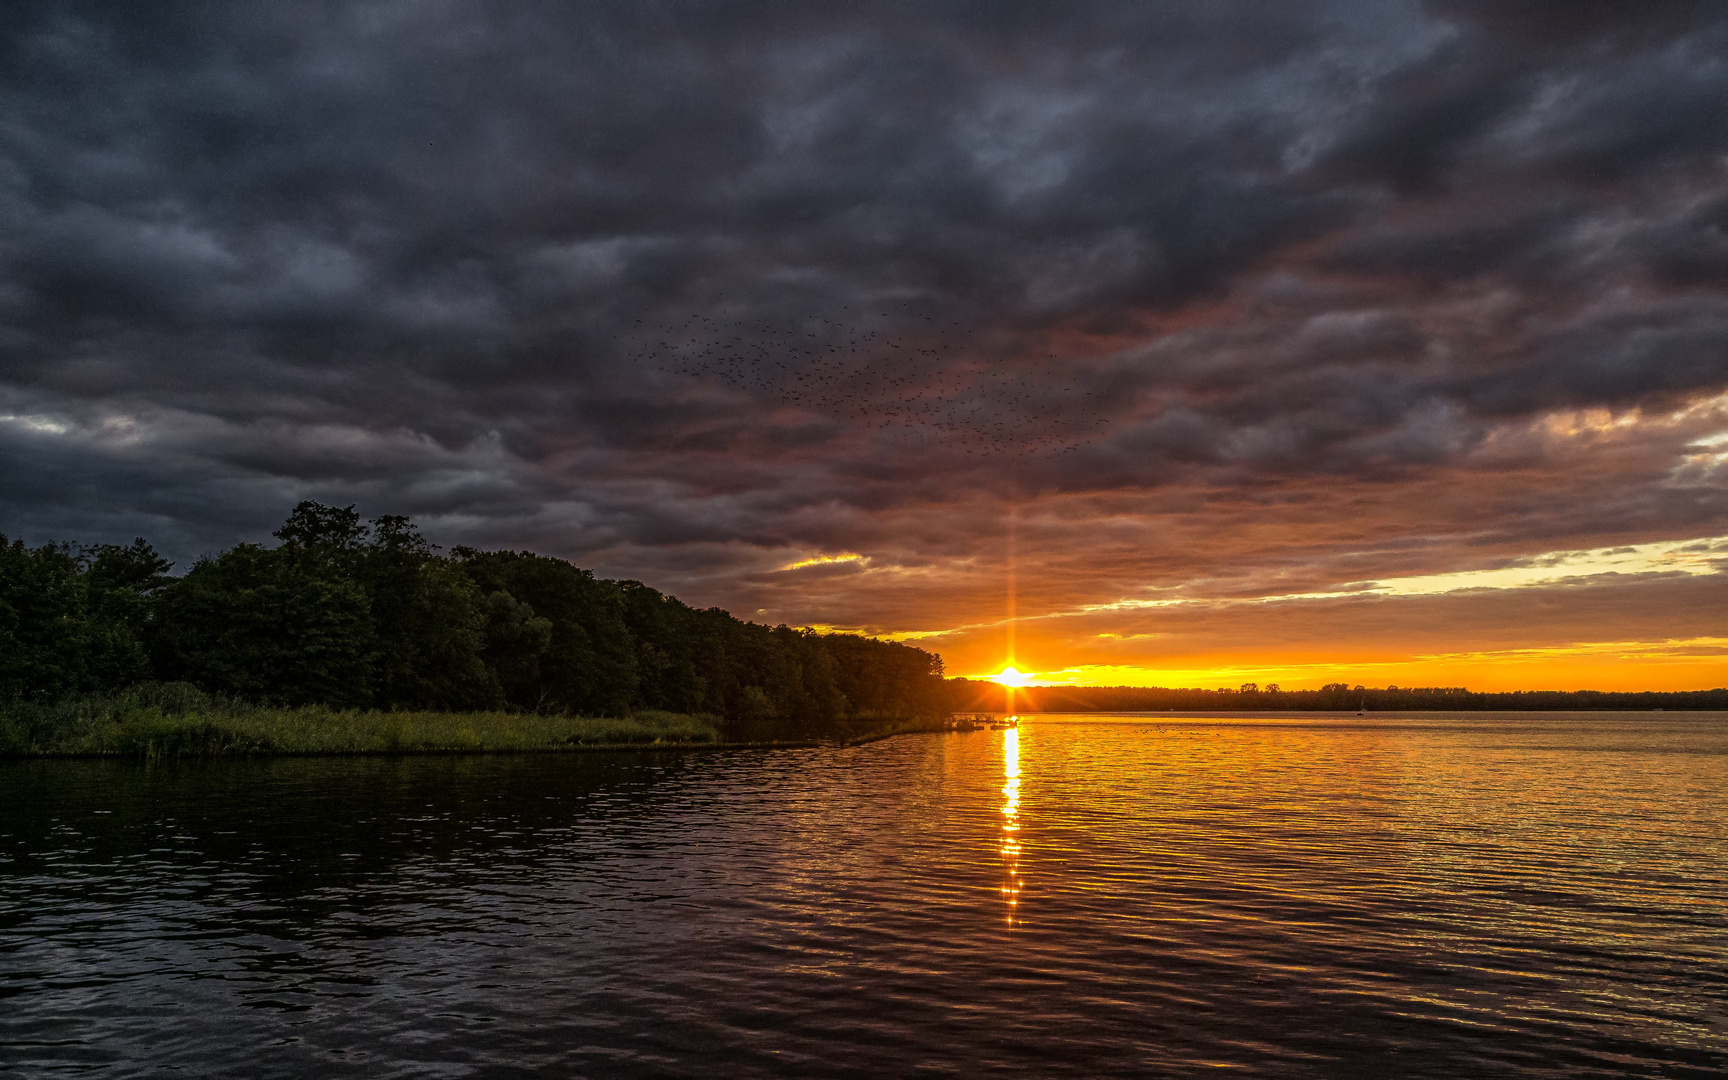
<point>1442,896</point>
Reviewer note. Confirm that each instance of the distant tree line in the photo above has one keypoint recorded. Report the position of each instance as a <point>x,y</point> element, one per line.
<point>351,614</point>
<point>965,694</point>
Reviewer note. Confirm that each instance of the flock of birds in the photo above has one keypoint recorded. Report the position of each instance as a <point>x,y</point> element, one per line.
<point>911,373</point>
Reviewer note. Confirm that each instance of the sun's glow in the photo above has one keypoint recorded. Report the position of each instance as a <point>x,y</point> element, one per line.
<point>1011,677</point>
<point>1690,663</point>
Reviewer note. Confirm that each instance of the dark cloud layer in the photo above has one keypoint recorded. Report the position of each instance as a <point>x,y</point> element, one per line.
<point>687,290</point>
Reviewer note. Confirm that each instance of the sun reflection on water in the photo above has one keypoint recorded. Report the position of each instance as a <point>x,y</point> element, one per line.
<point>1010,844</point>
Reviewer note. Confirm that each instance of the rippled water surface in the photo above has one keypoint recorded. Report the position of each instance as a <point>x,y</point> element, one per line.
<point>1532,895</point>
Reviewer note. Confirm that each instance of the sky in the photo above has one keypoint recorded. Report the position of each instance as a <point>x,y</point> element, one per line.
<point>1179,344</point>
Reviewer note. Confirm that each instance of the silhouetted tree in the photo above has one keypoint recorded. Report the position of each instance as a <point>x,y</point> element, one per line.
<point>74,619</point>
<point>284,624</point>
<point>556,636</point>
<point>350,613</point>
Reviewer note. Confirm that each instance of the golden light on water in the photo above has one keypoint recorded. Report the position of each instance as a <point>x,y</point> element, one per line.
<point>1010,843</point>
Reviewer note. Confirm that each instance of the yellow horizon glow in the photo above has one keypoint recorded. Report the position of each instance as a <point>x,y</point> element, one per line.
<point>1699,663</point>
<point>1010,676</point>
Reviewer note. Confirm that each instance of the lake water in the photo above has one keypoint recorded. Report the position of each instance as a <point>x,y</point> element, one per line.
<point>1436,895</point>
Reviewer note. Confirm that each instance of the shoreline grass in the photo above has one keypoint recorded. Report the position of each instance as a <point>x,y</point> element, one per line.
<point>175,720</point>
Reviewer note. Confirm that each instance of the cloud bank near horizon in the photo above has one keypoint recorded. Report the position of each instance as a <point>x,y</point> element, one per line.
<point>808,312</point>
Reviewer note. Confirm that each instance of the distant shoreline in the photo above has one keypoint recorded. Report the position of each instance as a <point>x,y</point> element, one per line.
<point>1274,713</point>
<point>982,696</point>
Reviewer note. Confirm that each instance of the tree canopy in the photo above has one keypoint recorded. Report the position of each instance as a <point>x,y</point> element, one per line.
<point>369,614</point>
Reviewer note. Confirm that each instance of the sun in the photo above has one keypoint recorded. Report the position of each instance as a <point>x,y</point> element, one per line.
<point>1010,677</point>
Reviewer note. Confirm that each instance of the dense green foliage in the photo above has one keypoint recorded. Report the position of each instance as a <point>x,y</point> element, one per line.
<point>349,615</point>
<point>74,620</point>
<point>968,695</point>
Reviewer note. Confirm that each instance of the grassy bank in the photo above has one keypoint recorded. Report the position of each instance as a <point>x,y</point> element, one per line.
<point>176,720</point>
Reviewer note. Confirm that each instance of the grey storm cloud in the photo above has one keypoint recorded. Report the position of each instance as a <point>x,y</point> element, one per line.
<point>599,277</point>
